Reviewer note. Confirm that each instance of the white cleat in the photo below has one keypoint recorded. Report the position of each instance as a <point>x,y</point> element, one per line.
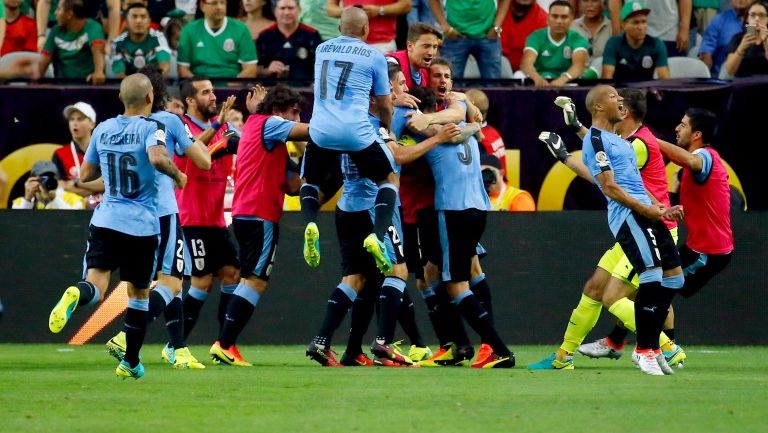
<point>665,368</point>
<point>647,363</point>
<point>600,349</point>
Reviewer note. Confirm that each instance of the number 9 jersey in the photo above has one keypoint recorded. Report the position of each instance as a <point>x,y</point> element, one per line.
<point>458,181</point>
<point>119,145</point>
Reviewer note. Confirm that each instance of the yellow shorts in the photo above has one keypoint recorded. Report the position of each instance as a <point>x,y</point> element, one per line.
<point>616,262</point>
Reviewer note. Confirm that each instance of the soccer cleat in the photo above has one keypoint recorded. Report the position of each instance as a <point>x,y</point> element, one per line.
<point>312,245</point>
<point>359,360</point>
<point>662,361</point>
<point>125,371</point>
<point>385,362</point>
<point>417,353</point>
<point>378,250</point>
<point>551,363</point>
<point>116,346</point>
<point>183,359</point>
<point>324,356</point>
<point>63,310</point>
<point>229,356</point>
<point>496,361</point>
<point>445,352</point>
<point>390,351</point>
<point>647,363</point>
<point>168,354</point>
<point>484,351</point>
<point>675,357</point>
<point>600,349</point>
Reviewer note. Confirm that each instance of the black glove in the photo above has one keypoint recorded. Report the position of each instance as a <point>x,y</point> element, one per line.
<point>555,145</point>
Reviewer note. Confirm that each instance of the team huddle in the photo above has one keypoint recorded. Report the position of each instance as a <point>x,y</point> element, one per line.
<point>404,149</point>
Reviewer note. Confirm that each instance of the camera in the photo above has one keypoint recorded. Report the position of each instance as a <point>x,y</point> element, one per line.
<point>48,181</point>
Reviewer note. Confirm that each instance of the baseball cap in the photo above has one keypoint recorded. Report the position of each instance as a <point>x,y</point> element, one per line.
<point>43,166</point>
<point>490,160</point>
<point>632,8</point>
<point>82,107</point>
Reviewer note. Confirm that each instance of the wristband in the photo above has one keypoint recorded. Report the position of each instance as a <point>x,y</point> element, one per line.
<point>216,125</point>
<point>567,75</point>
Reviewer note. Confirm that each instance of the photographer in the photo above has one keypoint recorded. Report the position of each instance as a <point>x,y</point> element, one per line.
<point>42,190</point>
<point>748,52</point>
<point>503,196</point>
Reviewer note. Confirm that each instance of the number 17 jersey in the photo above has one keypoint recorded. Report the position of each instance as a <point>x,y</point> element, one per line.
<point>347,72</point>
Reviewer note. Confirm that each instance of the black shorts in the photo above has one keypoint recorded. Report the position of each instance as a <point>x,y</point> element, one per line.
<point>460,232</point>
<point>211,249</point>
<point>258,243</point>
<point>352,229</point>
<point>373,162</point>
<point>429,237</point>
<point>699,268</point>
<point>170,255</point>
<point>647,244</point>
<point>134,255</point>
<point>411,250</point>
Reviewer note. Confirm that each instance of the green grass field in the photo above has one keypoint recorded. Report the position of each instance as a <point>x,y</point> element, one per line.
<point>55,388</point>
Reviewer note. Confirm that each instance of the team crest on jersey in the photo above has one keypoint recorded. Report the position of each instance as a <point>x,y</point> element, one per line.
<point>302,53</point>
<point>189,133</point>
<point>384,133</point>
<point>160,135</point>
<point>200,264</point>
<point>647,62</point>
<point>602,159</point>
<point>567,52</point>
<point>229,45</point>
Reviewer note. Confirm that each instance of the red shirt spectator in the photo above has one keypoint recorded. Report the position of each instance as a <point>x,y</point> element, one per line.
<point>523,18</point>
<point>20,30</point>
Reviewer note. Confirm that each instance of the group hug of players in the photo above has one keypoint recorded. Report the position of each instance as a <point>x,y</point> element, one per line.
<point>358,140</point>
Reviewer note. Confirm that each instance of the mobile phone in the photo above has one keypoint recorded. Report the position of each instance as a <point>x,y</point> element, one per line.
<point>751,30</point>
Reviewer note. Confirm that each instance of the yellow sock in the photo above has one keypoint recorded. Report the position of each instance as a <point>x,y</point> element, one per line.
<point>624,310</point>
<point>582,320</point>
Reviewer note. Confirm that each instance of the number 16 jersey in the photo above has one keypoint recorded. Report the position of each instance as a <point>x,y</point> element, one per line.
<point>347,72</point>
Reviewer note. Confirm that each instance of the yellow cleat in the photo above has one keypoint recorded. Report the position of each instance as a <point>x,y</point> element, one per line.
<point>184,359</point>
<point>63,310</point>
<point>312,245</point>
<point>116,346</point>
<point>227,356</point>
<point>418,354</point>
<point>125,371</point>
<point>373,245</point>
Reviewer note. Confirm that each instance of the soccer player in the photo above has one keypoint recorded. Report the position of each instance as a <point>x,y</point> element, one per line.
<point>165,297</point>
<point>201,205</point>
<point>347,71</point>
<point>127,150</point>
<point>260,189</point>
<point>634,219</point>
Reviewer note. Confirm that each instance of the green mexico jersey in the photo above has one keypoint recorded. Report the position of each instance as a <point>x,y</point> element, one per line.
<point>71,51</point>
<point>128,56</point>
<point>216,54</point>
<point>471,18</point>
<point>554,58</point>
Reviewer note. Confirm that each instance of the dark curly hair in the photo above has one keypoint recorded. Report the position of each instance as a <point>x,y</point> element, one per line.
<point>158,86</point>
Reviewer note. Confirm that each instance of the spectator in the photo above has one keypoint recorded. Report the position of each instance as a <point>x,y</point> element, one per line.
<point>555,55</point>
<point>81,119</point>
<point>159,9</point>
<point>594,26</point>
<point>634,55</point>
<point>173,34</point>
<point>717,36</point>
<point>174,104</point>
<point>235,119</point>
<point>523,18</point>
<point>313,14</point>
<point>504,197</point>
<point>139,45</point>
<point>46,17</point>
<point>703,13</point>
<point>472,27</point>
<point>75,45</point>
<point>421,47</point>
<point>19,30</point>
<point>421,12</point>
<point>382,19</point>
<point>255,17</point>
<point>492,143</point>
<point>216,46</point>
<point>42,190</point>
<point>748,51</point>
<point>670,21</point>
<point>287,49</point>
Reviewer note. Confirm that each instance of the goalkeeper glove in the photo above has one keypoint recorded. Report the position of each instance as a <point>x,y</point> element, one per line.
<point>569,112</point>
<point>555,145</point>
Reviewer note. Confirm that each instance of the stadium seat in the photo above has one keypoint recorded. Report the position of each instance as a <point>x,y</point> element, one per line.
<point>688,67</point>
<point>16,54</point>
<point>506,68</point>
<point>471,70</point>
<point>597,65</point>
<point>694,51</point>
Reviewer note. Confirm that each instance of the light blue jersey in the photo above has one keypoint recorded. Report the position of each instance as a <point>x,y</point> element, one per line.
<point>347,71</point>
<point>119,145</point>
<point>178,138</point>
<point>458,181</point>
<point>603,151</point>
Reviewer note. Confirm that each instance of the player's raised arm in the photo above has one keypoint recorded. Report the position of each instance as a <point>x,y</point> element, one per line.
<point>557,148</point>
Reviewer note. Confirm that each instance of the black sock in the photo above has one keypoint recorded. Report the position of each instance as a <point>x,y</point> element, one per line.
<point>407,319</point>
<point>156,305</point>
<point>435,315</point>
<point>483,294</point>
<point>384,208</point>
<point>454,326</point>
<point>238,314</point>
<point>174,323</point>
<point>222,312</point>
<point>390,298</point>
<point>670,333</point>
<point>339,303</point>
<point>480,321</point>
<point>135,328</point>
<point>191,307</point>
<point>310,202</point>
<point>618,335</point>
<point>87,292</point>
<point>362,313</point>
<point>646,306</point>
